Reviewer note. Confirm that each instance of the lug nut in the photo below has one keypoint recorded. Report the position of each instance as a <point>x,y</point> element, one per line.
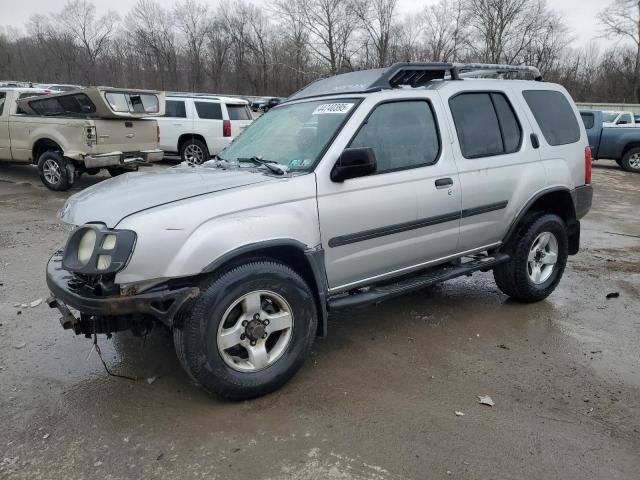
<point>242,336</point>
<point>256,316</point>
<point>253,343</point>
<point>266,322</point>
<point>265,336</point>
<point>244,323</point>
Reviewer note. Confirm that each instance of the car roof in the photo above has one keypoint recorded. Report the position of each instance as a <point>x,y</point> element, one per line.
<point>24,89</point>
<point>211,98</point>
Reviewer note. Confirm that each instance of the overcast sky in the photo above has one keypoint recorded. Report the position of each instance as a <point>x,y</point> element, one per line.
<point>580,15</point>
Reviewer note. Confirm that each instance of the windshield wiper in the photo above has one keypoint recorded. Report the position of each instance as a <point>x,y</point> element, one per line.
<point>264,163</point>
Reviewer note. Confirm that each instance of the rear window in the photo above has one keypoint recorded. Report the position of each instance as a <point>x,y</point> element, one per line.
<point>554,115</point>
<point>175,109</point>
<point>78,104</point>
<point>133,102</point>
<point>486,124</point>
<point>588,119</point>
<point>238,111</point>
<point>209,110</point>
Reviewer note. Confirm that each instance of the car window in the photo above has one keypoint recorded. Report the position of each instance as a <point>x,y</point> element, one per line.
<point>554,115</point>
<point>20,111</point>
<point>588,119</point>
<point>175,109</point>
<point>624,119</point>
<point>238,112</point>
<point>402,135</point>
<point>477,125</point>
<point>209,110</point>
<point>78,104</point>
<point>133,102</point>
<point>2,97</point>
<point>509,124</point>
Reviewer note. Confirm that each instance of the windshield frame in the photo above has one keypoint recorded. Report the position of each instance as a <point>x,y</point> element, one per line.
<point>357,101</point>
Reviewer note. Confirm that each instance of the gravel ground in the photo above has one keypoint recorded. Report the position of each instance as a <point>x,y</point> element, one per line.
<point>377,399</point>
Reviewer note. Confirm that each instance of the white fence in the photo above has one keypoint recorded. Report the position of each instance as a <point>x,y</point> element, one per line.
<point>616,107</point>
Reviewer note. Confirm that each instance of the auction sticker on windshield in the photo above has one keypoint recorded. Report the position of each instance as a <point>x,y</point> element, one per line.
<point>332,108</point>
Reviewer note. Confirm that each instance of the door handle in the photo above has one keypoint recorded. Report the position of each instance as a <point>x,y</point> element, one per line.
<point>535,143</point>
<point>444,182</point>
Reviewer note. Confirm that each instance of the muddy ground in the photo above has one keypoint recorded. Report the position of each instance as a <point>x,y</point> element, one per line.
<point>376,400</point>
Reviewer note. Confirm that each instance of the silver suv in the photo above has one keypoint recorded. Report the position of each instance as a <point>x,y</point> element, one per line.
<point>357,189</point>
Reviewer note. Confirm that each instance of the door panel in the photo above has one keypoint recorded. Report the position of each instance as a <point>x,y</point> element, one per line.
<point>391,221</point>
<point>499,167</point>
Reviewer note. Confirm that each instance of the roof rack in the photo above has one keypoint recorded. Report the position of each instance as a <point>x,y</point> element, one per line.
<point>397,75</point>
<point>474,70</point>
<point>191,94</point>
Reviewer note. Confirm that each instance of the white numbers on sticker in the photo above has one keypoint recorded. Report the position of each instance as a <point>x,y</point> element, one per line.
<point>332,108</point>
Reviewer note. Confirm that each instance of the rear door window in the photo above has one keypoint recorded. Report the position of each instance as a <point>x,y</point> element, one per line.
<point>175,109</point>
<point>486,124</point>
<point>209,110</point>
<point>554,115</point>
<point>588,119</point>
<point>238,111</point>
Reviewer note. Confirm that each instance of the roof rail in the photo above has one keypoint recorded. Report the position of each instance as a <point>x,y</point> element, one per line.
<point>472,70</point>
<point>192,94</point>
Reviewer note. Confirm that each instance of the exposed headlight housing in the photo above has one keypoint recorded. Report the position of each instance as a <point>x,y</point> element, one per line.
<point>94,249</point>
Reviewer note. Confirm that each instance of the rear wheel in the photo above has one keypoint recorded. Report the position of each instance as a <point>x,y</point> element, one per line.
<point>249,331</point>
<point>194,151</point>
<point>631,160</point>
<point>56,172</point>
<point>539,252</point>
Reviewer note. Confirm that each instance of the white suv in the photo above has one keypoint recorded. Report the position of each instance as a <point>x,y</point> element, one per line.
<point>199,126</point>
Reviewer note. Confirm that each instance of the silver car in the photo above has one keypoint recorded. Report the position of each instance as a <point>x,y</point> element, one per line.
<point>357,189</point>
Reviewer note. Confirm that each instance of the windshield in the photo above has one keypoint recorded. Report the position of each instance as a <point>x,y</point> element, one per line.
<point>291,135</point>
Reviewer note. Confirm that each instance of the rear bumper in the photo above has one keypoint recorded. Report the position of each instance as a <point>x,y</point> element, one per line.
<point>582,200</point>
<point>161,304</point>
<point>115,159</point>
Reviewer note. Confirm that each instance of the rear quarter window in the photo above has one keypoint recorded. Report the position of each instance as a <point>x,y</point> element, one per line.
<point>554,115</point>
<point>175,109</point>
<point>588,119</point>
<point>209,110</point>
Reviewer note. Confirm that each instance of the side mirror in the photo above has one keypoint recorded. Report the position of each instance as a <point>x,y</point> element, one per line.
<point>353,163</point>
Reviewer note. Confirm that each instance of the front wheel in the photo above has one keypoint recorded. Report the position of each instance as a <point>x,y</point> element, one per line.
<point>539,252</point>
<point>249,331</point>
<point>631,160</point>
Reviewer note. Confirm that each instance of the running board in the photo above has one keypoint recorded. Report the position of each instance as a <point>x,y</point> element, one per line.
<point>439,274</point>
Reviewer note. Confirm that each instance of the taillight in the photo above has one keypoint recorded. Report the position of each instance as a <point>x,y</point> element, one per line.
<point>587,165</point>
<point>158,133</point>
<point>226,128</point>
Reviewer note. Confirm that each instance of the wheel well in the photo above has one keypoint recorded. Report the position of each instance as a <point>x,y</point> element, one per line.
<point>41,146</point>
<point>628,147</point>
<point>189,136</point>
<point>559,202</point>
<point>289,255</point>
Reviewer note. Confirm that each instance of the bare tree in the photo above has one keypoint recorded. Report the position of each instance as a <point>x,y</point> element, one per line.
<point>191,18</point>
<point>376,18</point>
<point>622,19</point>
<point>78,18</point>
<point>331,24</point>
<point>444,30</point>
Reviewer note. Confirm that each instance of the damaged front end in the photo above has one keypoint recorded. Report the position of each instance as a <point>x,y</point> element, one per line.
<point>103,308</point>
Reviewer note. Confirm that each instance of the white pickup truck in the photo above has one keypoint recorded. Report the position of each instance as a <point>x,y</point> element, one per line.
<point>71,133</point>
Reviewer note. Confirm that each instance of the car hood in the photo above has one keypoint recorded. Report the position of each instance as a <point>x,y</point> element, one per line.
<point>110,201</point>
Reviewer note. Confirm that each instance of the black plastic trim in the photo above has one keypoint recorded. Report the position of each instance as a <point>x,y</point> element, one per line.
<point>413,225</point>
<point>582,200</point>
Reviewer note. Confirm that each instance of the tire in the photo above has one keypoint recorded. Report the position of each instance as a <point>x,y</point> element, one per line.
<point>194,151</point>
<point>92,171</point>
<point>619,162</point>
<point>631,160</point>
<point>517,277</point>
<point>56,172</point>
<point>225,367</point>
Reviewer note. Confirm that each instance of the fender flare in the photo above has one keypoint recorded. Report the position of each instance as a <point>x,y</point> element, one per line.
<point>315,262</point>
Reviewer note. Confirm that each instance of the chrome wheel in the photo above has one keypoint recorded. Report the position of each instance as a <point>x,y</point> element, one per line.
<point>543,257</point>
<point>194,154</point>
<point>634,161</point>
<point>255,331</point>
<point>52,172</point>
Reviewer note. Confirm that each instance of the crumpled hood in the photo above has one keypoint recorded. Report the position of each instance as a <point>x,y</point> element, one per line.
<point>110,201</point>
